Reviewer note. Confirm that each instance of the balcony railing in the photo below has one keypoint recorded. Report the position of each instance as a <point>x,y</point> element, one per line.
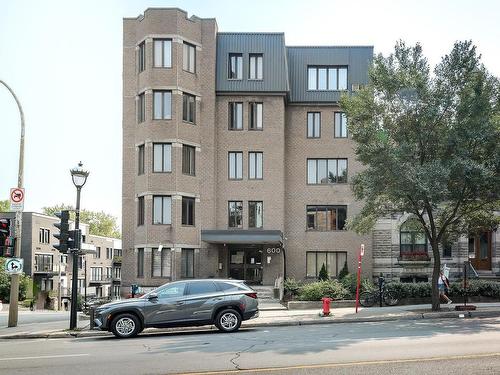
<point>44,267</point>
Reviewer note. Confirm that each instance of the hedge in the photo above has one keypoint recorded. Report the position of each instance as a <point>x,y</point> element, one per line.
<point>475,288</point>
<point>317,290</point>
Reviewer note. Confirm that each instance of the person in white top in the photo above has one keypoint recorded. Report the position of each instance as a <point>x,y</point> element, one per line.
<point>442,284</point>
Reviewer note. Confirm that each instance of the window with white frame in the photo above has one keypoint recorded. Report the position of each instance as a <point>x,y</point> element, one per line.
<point>255,66</point>
<point>327,78</point>
<point>162,209</point>
<point>162,157</point>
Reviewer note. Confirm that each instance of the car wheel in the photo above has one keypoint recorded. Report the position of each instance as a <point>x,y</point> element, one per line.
<point>125,326</point>
<point>228,320</point>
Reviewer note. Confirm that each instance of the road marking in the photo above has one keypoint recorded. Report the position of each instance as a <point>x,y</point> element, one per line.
<point>346,364</point>
<point>44,357</point>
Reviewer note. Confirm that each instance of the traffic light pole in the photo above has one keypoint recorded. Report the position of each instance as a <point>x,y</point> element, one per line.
<point>75,253</point>
<point>14,282</point>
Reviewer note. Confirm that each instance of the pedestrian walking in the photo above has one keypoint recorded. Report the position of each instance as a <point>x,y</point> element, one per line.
<point>443,285</point>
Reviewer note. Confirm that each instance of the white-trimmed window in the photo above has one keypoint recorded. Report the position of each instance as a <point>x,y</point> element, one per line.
<point>162,157</point>
<point>162,105</point>
<point>340,125</point>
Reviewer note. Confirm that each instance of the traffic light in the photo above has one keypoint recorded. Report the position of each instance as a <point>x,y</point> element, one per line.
<point>63,234</point>
<point>7,240</point>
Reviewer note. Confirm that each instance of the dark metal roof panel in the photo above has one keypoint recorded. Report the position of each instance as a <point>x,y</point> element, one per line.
<point>241,236</point>
<point>357,59</point>
<point>271,45</point>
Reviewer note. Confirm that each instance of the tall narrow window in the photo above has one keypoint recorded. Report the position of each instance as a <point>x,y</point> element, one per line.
<point>187,263</point>
<point>141,108</point>
<point>162,209</point>
<point>162,53</point>
<point>188,160</point>
<point>189,57</point>
<point>160,262</point>
<point>255,116</point>
<point>235,66</point>
<point>162,105</point>
<point>140,160</point>
<point>187,211</point>
<point>140,211</point>
<point>140,262</point>
<point>255,165</point>
<point>255,66</point>
<point>313,124</point>
<point>141,57</point>
<point>235,214</point>
<point>235,116</point>
<point>189,108</point>
<point>340,125</point>
<point>235,165</point>
<point>162,157</point>
<point>255,214</point>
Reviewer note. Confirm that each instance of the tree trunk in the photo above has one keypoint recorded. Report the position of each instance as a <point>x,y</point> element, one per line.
<point>435,274</point>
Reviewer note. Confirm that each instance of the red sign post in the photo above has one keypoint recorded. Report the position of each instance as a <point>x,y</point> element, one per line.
<point>361,253</point>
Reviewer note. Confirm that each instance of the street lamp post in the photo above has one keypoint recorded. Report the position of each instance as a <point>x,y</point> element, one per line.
<point>14,284</point>
<point>79,178</point>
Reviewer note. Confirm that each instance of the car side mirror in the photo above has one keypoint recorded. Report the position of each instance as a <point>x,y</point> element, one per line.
<point>153,296</point>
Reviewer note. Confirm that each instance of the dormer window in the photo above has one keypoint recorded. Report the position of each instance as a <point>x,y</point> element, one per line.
<point>327,78</point>
<point>235,66</point>
<point>255,64</point>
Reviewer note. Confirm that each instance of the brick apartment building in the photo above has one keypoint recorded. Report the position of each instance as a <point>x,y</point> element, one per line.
<point>52,272</point>
<point>235,153</point>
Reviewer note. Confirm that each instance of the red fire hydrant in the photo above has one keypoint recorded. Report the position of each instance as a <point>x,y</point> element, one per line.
<point>326,305</point>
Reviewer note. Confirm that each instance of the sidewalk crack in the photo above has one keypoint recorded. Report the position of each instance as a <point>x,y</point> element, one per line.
<point>237,355</point>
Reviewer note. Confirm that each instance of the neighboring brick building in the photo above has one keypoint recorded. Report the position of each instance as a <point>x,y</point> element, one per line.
<point>51,270</point>
<point>235,153</point>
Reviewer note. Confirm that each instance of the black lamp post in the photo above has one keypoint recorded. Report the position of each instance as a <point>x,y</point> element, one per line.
<point>79,177</point>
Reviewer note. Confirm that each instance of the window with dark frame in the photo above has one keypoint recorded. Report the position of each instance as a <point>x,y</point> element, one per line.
<point>140,160</point>
<point>188,211</point>
<point>140,262</point>
<point>313,124</point>
<point>189,57</point>
<point>109,252</point>
<point>160,262</point>
<point>326,171</point>
<point>141,108</point>
<point>235,214</point>
<point>188,160</point>
<point>97,254</point>
<point>235,66</point>
<point>235,116</point>
<point>255,66</point>
<point>162,105</point>
<point>162,209</point>
<point>141,57</point>
<point>187,263</point>
<point>140,211</point>
<point>235,165</point>
<point>333,260</point>
<point>325,218</point>
<point>327,78</point>
<point>162,157</point>
<point>189,108</point>
<point>162,53</point>
<point>256,113</point>
<point>255,165</point>
<point>447,248</point>
<point>340,125</point>
<point>255,214</point>
<point>412,241</point>
<point>44,235</point>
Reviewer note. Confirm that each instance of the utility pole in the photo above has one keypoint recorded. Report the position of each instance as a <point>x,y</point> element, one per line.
<point>14,281</point>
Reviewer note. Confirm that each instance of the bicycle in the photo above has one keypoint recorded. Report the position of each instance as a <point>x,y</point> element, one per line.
<point>368,299</point>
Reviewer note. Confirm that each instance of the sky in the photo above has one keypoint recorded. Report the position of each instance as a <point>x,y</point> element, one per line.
<point>63,58</point>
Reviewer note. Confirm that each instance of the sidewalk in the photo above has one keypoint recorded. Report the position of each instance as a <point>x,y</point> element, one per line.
<point>271,318</point>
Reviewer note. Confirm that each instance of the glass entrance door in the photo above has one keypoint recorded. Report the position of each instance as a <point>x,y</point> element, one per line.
<point>480,251</point>
<point>246,264</point>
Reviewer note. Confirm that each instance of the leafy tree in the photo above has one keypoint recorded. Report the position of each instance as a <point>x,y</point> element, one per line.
<point>323,273</point>
<point>24,283</point>
<point>100,223</point>
<point>429,144</point>
<point>4,205</point>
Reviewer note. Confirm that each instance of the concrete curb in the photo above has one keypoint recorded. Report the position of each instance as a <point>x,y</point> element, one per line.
<point>287,323</point>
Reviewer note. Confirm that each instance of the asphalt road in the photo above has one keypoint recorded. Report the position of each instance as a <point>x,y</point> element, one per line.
<point>404,347</point>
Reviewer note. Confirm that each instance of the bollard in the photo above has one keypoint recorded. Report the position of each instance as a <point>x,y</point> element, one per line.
<point>326,305</point>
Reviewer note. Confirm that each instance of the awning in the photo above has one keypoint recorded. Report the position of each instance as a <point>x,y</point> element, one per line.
<point>239,236</point>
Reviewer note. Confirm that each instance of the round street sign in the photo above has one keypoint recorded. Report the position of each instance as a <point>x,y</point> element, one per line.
<point>17,195</point>
<point>14,265</point>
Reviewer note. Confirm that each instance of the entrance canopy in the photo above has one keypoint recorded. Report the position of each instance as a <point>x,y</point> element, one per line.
<point>242,236</point>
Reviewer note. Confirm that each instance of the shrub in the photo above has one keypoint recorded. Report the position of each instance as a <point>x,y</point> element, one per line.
<point>292,286</point>
<point>419,290</point>
<point>344,271</point>
<point>350,282</point>
<point>317,290</point>
<point>323,273</point>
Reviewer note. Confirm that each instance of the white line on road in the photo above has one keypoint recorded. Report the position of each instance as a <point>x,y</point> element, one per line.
<point>44,357</point>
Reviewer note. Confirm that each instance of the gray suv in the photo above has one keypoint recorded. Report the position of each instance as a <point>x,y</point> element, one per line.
<point>225,303</point>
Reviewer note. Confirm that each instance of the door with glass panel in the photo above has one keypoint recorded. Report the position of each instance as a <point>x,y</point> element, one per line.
<point>246,264</point>
<point>480,250</point>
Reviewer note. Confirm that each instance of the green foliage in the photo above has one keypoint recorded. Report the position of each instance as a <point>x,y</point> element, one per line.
<point>428,143</point>
<point>323,273</point>
<point>344,271</point>
<point>475,288</point>
<point>24,283</point>
<point>317,290</point>
<point>100,223</point>
<point>4,205</point>
<point>292,286</point>
<point>350,281</point>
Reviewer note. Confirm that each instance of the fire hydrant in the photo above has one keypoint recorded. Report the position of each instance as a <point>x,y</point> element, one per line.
<point>326,305</point>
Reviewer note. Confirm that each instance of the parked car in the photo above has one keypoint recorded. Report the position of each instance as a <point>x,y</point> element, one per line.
<point>225,303</point>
